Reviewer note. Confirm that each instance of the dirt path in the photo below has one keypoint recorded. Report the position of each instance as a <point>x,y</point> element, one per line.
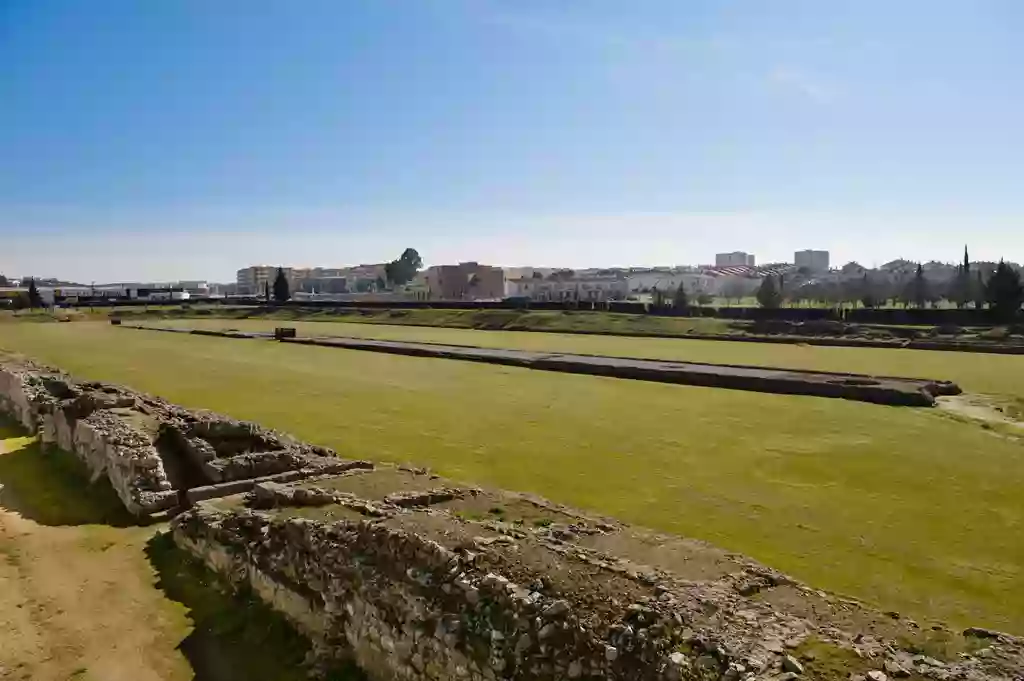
<point>979,408</point>
<point>77,600</point>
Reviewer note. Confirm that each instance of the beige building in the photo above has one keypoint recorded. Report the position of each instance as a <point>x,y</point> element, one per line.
<point>253,280</point>
<point>692,282</point>
<point>593,289</point>
<point>465,281</point>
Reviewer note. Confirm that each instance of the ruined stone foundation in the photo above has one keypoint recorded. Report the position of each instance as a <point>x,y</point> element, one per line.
<point>415,577</point>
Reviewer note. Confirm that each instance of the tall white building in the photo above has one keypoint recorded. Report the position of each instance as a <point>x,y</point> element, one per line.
<point>734,259</point>
<point>814,261</point>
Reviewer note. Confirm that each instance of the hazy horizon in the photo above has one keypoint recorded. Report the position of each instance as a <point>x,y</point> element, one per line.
<point>186,140</point>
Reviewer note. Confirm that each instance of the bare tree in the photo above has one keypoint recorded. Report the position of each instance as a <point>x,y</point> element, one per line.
<point>734,288</point>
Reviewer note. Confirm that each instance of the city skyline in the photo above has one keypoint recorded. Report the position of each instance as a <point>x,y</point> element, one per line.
<point>719,261</point>
<point>638,241</point>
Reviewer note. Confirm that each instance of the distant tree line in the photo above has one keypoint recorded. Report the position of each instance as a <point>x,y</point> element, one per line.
<point>1000,290</point>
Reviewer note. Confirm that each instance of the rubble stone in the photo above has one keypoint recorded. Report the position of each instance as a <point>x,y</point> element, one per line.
<point>154,452</point>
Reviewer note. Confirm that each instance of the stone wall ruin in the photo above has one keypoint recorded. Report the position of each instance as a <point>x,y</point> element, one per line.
<point>414,577</point>
<point>433,582</point>
<point>156,455</point>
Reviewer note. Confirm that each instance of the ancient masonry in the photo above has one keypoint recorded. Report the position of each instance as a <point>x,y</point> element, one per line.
<point>415,577</point>
<point>157,456</point>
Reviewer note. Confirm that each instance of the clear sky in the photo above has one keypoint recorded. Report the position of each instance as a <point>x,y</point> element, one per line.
<point>187,138</point>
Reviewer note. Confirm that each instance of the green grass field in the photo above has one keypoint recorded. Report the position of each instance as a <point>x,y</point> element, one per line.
<point>910,509</point>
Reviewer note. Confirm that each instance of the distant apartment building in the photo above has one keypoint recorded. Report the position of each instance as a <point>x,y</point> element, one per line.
<point>354,279</point>
<point>692,282</point>
<point>570,289</point>
<point>813,261</point>
<point>254,280</point>
<point>526,272</point>
<point>465,281</point>
<point>734,259</point>
<point>357,278</point>
<point>364,277</point>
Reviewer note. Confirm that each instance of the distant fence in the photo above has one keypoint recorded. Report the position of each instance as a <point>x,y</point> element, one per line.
<point>908,316</point>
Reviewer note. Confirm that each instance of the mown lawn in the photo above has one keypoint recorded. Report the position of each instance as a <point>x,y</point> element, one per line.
<point>907,508</point>
<point>975,372</point>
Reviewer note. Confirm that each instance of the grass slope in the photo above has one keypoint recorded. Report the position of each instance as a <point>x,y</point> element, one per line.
<point>907,508</point>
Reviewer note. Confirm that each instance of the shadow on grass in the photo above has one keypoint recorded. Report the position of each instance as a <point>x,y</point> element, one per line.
<point>236,637</point>
<point>51,486</point>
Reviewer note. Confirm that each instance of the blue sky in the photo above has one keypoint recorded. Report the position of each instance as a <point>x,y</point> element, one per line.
<point>188,138</point>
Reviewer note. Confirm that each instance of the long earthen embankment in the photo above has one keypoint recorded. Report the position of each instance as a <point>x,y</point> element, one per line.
<point>889,390</point>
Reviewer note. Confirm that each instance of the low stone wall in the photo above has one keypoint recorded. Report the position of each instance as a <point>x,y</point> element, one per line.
<point>877,389</point>
<point>432,592</point>
<point>24,395</point>
<point>152,452</point>
<point>109,445</point>
<point>406,607</point>
<point>48,402</point>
